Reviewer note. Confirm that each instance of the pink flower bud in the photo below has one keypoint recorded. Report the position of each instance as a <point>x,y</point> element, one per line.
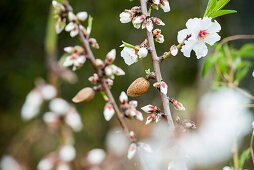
<point>150,109</point>
<point>108,111</point>
<point>163,87</point>
<point>123,99</point>
<point>99,63</point>
<point>158,21</point>
<point>173,50</point>
<point>110,57</point>
<point>149,25</point>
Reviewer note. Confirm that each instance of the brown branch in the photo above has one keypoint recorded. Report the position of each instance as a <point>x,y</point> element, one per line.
<point>156,67</point>
<point>91,58</point>
<point>232,38</point>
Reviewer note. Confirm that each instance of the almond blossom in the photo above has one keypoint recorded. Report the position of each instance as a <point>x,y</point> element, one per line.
<point>202,31</point>
<point>173,50</point>
<point>76,57</point>
<point>129,55</point>
<point>155,111</point>
<point>129,109</point>
<point>126,17</point>
<point>142,52</point>
<point>67,153</point>
<point>110,57</point>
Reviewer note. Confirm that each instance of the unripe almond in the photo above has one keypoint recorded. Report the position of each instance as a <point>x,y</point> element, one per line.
<point>139,87</point>
<point>84,95</point>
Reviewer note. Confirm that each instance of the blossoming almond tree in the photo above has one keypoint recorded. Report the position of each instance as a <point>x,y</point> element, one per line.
<point>198,34</point>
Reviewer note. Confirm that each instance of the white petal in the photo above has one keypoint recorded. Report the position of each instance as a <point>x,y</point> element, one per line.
<point>165,7</point>
<point>82,16</point>
<point>194,23</point>
<point>129,55</point>
<point>70,27</point>
<point>215,27</point>
<point>48,92</point>
<point>123,98</point>
<point>200,50</point>
<point>182,35</point>
<point>212,38</point>
<point>139,116</point>
<point>125,17</point>
<point>74,121</point>
<point>142,52</point>
<point>59,106</point>
<point>145,146</point>
<point>110,57</point>
<point>132,150</point>
<point>74,33</point>
<point>108,111</point>
<point>96,156</point>
<point>187,48</point>
<point>148,108</point>
<point>68,62</point>
<point>164,88</point>
<point>148,120</point>
<point>67,153</point>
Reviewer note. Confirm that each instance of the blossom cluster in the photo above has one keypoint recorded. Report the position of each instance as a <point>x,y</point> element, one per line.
<point>129,108</point>
<point>155,113</point>
<point>163,4</point>
<point>76,57</point>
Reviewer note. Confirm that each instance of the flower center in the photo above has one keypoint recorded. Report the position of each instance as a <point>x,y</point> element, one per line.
<point>202,34</point>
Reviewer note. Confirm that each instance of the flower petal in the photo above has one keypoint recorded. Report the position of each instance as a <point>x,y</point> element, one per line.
<point>200,49</point>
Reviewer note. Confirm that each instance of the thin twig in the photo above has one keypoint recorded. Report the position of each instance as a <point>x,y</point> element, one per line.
<point>251,148</point>
<point>103,83</point>
<point>156,67</point>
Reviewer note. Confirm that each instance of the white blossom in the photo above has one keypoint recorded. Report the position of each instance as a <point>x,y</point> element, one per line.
<point>9,163</point>
<point>142,52</point>
<point>149,25</point>
<point>82,16</point>
<point>202,31</point>
<point>123,98</point>
<point>73,119</point>
<point>48,92</point>
<point>72,16</point>
<point>126,17</point>
<point>96,156</point>
<point>163,87</point>
<point>227,168</point>
<point>63,166</point>
<point>67,153</point>
<point>253,74</point>
<point>122,144</point>
<point>108,111</point>
<point>129,55</point>
<point>50,118</point>
<point>45,164</point>
<point>59,106</point>
<point>132,150</point>
<point>116,70</point>
<point>157,2</point>
<point>75,60</point>
<point>31,107</point>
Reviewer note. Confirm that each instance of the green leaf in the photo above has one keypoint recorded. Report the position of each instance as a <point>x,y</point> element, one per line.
<point>221,3</point>
<point>241,73</point>
<point>90,25</point>
<point>125,44</point>
<point>210,7</point>
<point>246,51</point>
<point>148,71</point>
<point>244,157</point>
<point>209,64</point>
<point>222,12</point>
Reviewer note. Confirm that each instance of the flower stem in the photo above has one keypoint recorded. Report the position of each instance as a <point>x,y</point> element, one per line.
<point>156,67</point>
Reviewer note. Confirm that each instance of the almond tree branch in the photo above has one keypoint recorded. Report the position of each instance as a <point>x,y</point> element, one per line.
<point>156,67</point>
<point>103,83</point>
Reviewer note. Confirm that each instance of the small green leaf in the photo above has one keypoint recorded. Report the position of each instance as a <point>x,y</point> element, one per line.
<point>246,51</point>
<point>148,71</point>
<point>241,73</point>
<point>90,25</point>
<point>222,12</point>
<point>221,3</point>
<point>104,95</point>
<point>209,64</point>
<point>125,44</point>
<point>244,157</point>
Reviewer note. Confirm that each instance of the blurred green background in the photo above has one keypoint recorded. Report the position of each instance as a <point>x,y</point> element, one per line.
<point>22,54</point>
